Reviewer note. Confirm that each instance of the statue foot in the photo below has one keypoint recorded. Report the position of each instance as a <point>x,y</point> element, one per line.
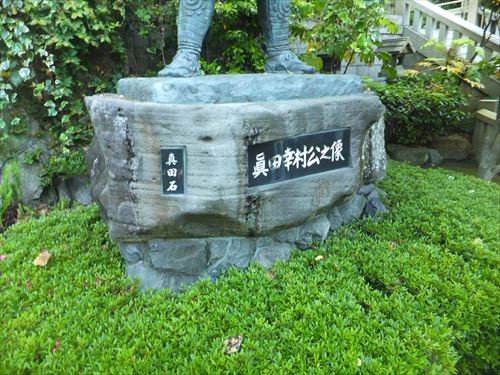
<point>184,64</point>
<point>287,62</point>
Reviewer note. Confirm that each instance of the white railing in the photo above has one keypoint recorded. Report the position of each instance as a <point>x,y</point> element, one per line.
<point>457,7</point>
<point>428,21</point>
<point>466,9</point>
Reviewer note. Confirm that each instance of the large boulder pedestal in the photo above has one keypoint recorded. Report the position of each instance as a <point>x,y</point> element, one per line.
<point>195,175</point>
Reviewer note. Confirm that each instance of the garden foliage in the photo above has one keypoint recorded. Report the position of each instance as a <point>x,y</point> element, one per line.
<point>10,188</point>
<point>345,30</point>
<point>414,292</point>
<point>420,107</point>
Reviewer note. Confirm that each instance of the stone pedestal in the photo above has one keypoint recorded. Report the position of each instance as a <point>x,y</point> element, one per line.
<point>218,220</point>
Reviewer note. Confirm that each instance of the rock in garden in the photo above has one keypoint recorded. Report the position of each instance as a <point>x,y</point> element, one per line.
<point>196,175</point>
<point>454,147</point>
<point>412,155</point>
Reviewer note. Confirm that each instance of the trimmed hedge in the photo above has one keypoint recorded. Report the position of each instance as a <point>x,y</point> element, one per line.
<point>414,292</point>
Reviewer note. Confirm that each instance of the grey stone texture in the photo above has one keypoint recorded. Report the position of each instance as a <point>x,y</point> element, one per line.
<point>454,146</point>
<point>161,263</point>
<point>75,189</point>
<point>415,155</point>
<point>373,156</point>
<point>16,148</point>
<point>266,256</point>
<point>314,230</point>
<point>412,155</point>
<point>353,209</point>
<point>435,158</point>
<point>486,141</point>
<point>179,255</point>
<point>20,149</point>
<point>335,219</point>
<point>220,222</point>
<point>374,196</point>
<point>238,88</point>
<point>229,252</point>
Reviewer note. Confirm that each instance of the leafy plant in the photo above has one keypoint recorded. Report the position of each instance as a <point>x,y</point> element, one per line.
<point>414,292</point>
<point>420,107</point>
<point>345,30</point>
<point>53,53</point>
<point>10,188</point>
<point>451,64</point>
<point>56,168</point>
<point>155,22</point>
<point>490,9</point>
<point>234,43</point>
<point>47,47</point>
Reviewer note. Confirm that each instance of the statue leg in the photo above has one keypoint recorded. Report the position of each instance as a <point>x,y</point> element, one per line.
<point>193,22</point>
<point>274,16</point>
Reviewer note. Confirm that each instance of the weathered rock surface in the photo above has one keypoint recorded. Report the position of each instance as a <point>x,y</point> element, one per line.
<point>220,222</point>
<point>30,151</point>
<point>486,141</point>
<point>373,156</point>
<point>16,149</point>
<point>238,88</point>
<point>413,155</point>
<point>435,158</point>
<point>454,146</point>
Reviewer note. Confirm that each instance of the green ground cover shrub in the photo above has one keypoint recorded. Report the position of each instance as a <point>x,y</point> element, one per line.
<point>421,107</point>
<point>414,292</point>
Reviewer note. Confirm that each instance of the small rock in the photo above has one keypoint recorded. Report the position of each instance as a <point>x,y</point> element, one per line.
<point>372,191</point>
<point>373,208</point>
<point>352,210</point>
<point>314,230</point>
<point>287,235</point>
<point>304,242</point>
<point>185,256</point>
<point>435,158</point>
<point>266,256</point>
<point>132,252</point>
<point>150,278</point>
<point>366,189</point>
<point>79,189</point>
<point>227,252</point>
<point>335,219</point>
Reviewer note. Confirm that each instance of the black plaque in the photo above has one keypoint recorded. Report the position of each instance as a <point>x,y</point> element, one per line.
<point>173,170</point>
<point>290,158</point>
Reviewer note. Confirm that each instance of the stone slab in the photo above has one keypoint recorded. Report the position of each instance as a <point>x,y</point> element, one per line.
<point>124,164</point>
<point>238,88</point>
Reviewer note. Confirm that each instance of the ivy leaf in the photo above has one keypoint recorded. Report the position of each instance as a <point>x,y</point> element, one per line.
<point>24,73</point>
<point>5,35</point>
<point>5,65</point>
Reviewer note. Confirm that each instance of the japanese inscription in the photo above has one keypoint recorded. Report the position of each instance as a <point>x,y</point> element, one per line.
<point>290,158</point>
<point>173,170</point>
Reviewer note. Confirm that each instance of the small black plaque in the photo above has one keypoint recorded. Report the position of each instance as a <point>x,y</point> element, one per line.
<point>173,170</point>
<point>290,158</point>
